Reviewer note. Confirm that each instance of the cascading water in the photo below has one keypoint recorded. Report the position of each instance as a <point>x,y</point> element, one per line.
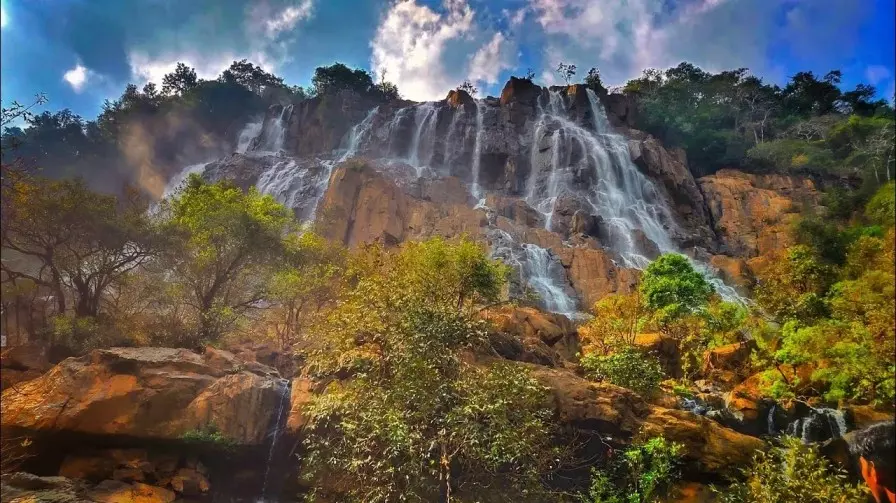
<point>177,180</point>
<point>595,168</point>
<point>274,132</point>
<point>278,425</point>
<point>423,142</point>
<point>545,275</point>
<point>248,133</point>
<point>819,425</point>
<point>475,189</point>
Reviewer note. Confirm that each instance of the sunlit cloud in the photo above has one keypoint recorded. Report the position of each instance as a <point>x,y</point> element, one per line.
<point>76,77</point>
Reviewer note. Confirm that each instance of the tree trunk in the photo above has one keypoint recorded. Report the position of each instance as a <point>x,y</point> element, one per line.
<point>444,477</point>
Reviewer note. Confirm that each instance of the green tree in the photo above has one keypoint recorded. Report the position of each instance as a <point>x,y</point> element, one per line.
<point>793,286</point>
<point>881,209</point>
<point>628,367</point>
<point>566,72</point>
<point>793,472</point>
<point>672,287</point>
<point>415,420</point>
<point>593,81</point>
<point>252,77</point>
<point>181,80</point>
<point>69,239</point>
<point>225,244</point>
<point>644,473</point>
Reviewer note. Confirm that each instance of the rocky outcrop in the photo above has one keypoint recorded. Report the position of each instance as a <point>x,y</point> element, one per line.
<point>530,335</point>
<point>729,363</point>
<point>666,349</point>
<point>618,414</point>
<point>751,213</point>
<point>27,488</point>
<point>594,274</point>
<point>25,362</point>
<point>670,167</point>
<point>150,393</point>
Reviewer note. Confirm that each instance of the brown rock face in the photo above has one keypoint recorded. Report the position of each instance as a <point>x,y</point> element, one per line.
<point>666,349</point>
<point>519,90</point>
<point>529,335</point>
<point>671,170</point>
<point>730,359</point>
<point>594,275</point>
<point>610,410</point>
<point>147,393</point>
<point>751,213</point>
<point>113,491</point>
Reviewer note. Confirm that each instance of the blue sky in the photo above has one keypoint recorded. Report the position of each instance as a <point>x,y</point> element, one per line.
<point>81,52</point>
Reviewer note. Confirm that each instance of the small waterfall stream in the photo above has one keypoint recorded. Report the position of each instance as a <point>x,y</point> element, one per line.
<point>475,189</point>
<point>278,425</point>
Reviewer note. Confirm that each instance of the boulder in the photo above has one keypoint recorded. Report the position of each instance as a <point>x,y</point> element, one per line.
<point>114,491</point>
<point>666,349</point>
<point>731,361</point>
<point>460,98</point>
<point>157,393</point>
<point>617,414</point>
<point>866,415</point>
<point>530,335</point>
<point>23,363</point>
<point>21,487</point>
<point>519,90</point>
<point>752,213</point>
<point>189,482</point>
<point>734,271</point>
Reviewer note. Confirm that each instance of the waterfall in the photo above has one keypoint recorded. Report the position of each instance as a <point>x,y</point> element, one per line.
<point>545,275</point>
<point>174,185</point>
<point>249,132</point>
<point>477,153</point>
<point>424,121</point>
<point>274,132</point>
<point>275,433</point>
<point>819,425</point>
<point>601,175</point>
<point>357,134</point>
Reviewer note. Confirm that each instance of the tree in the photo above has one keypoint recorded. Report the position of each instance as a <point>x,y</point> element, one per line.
<point>644,472</point>
<point>593,81</point>
<point>416,421</point>
<point>253,77</point>
<point>69,237</point>
<point>793,286</point>
<point>468,87</point>
<point>225,243</point>
<point>181,80</point>
<point>566,72</point>
<point>672,287</point>
<point>617,319</point>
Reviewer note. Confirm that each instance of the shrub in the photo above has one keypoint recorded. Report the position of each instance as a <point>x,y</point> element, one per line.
<point>792,472</point>
<point>672,287</point>
<point>644,472</point>
<point>881,209</point>
<point>629,367</point>
<point>208,435</point>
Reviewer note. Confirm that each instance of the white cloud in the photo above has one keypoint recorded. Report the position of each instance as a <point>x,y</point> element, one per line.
<point>288,18</point>
<point>623,38</point>
<point>490,59</point>
<point>515,18</point>
<point>76,77</point>
<point>412,43</point>
<point>877,74</point>
<point>208,66</point>
<point>3,18</point>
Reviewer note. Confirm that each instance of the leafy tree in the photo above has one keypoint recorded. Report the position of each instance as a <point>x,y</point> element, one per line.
<point>794,286</point>
<point>566,72</point>
<point>416,421</point>
<point>628,367</point>
<point>468,87</point>
<point>593,81</point>
<point>181,80</point>
<point>793,472</point>
<point>616,322</point>
<point>672,287</point>
<point>645,472</point>
<point>881,209</point>
<point>225,243</point>
<point>253,77</point>
<point>69,238</point>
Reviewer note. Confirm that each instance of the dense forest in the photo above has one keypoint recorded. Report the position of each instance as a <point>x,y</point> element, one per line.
<point>417,404</point>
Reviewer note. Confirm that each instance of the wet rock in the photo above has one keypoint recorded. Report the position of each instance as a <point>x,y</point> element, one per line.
<point>617,414</point>
<point>594,274</point>
<point>530,335</point>
<point>146,393</point>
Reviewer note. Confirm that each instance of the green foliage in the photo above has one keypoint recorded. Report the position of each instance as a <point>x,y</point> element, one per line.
<point>209,435</point>
<point>628,367</point>
<point>793,287</point>
<point>881,209</point>
<point>415,420</point>
<point>793,472</point>
<point>617,320</point>
<point>593,81</point>
<point>672,287</point>
<point>644,473</point>
<point>566,72</point>
<point>224,244</point>
<point>791,154</point>
<point>329,80</point>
